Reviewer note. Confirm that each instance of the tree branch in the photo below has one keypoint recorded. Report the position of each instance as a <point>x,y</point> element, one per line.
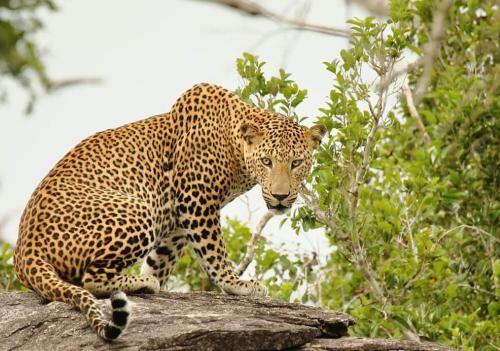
<point>361,171</point>
<point>388,79</point>
<point>432,48</point>
<point>414,113</point>
<point>70,82</point>
<point>359,253</point>
<point>312,203</point>
<point>249,255</point>
<point>254,9</point>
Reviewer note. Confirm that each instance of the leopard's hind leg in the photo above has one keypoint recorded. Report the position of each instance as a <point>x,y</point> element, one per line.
<point>161,260</point>
<point>103,281</point>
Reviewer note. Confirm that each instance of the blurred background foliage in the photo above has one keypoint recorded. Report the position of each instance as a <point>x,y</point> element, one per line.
<point>20,57</point>
<point>408,201</point>
<point>20,63</point>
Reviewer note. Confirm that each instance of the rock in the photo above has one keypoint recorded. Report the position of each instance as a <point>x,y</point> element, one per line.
<point>367,344</point>
<point>183,321</point>
<point>169,321</point>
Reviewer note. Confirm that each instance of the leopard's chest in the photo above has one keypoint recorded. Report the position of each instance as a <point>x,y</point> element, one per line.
<point>240,185</point>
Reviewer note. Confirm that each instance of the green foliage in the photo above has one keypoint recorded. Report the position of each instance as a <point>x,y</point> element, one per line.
<point>278,93</point>
<point>413,226</point>
<point>8,279</point>
<point>20,56</point>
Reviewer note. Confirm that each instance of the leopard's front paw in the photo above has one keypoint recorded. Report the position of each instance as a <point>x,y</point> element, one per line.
<point>245,288</point>
<point>148,285</point>
<point>258,288</point>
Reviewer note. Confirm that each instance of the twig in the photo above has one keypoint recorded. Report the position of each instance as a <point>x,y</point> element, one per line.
<point>376,113</point>
<point>414,113</point>
<point>346,306</point>
<point>471,227</point>
<point>477,289</point>
<point>246,202</point>
<point>415,276</point>
<point>320,215</point>
<point>249,255</point>
<point>254,9</point>
<point>361,171</point>
<point>388,79</point>
<point>65,83</point>
<point>367,270</point>
<point>432,48</point>
<point>413,247</point>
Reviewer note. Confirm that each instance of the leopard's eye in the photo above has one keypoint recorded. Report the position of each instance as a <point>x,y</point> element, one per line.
<point>266,162</point>
<point>296,163</point>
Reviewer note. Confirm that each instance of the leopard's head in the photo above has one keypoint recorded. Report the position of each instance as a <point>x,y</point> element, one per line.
<point>278,154</point>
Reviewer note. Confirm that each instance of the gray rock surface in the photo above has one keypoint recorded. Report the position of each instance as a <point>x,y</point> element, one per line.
<point>174,321</point>
<point>367,344</point>
<point>169,321</point>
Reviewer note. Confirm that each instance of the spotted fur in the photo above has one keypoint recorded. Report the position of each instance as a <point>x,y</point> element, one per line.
<point>145,190</point>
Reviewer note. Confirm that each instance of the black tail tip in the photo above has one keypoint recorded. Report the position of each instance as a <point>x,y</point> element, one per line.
<point>111,332</point>
<point>119,317</point>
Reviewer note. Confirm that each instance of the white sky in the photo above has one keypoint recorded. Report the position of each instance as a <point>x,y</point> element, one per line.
<point>147,56</point>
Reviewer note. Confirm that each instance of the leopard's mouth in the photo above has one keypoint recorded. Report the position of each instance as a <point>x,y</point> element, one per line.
<point>278,209</point>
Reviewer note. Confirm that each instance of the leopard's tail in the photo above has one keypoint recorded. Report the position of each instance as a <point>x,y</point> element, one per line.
<point>43,278</point>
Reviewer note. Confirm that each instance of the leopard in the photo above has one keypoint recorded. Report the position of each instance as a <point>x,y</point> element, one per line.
<point>140,193</point>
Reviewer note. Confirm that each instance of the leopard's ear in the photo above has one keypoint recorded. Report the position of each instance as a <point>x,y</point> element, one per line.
<point>315,134</point>
<point>250,132</point>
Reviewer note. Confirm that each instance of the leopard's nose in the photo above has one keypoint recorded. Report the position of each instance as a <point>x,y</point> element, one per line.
<point>280,197</point>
